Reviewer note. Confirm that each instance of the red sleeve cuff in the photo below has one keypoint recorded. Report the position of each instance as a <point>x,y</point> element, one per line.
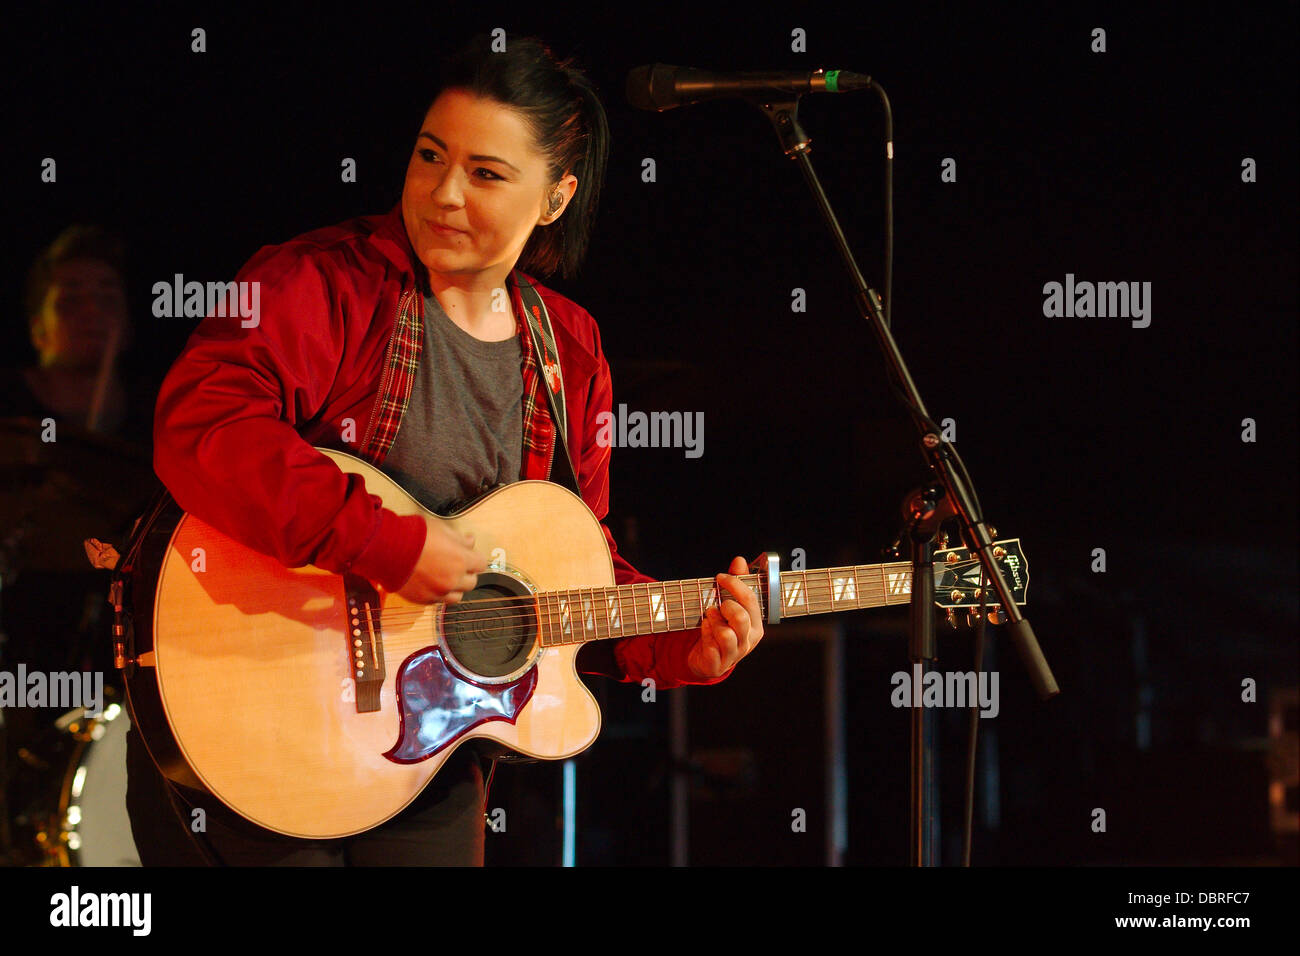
<point>389,558</point>
<point>661,657</point>
<point>671,661</point>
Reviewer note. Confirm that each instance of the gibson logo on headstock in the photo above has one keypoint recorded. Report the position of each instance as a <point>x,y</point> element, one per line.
<point>1012,563</point>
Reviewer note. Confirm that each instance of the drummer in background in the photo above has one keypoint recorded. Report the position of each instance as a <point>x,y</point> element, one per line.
<point>88,481</point>
<point>53,614</point>
<point>79,326</point>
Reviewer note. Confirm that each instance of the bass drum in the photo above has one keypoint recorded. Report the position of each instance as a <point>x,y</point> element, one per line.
<point>70,789</point>
<point>94,826</point>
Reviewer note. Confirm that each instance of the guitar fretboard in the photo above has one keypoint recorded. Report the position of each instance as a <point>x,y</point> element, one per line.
<point>595,614</point>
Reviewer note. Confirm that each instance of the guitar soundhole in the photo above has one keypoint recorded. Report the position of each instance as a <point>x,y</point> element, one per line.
<point>492,631</point>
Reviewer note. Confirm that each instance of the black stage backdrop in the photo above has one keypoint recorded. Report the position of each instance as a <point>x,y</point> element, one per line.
<point>1026,153</point>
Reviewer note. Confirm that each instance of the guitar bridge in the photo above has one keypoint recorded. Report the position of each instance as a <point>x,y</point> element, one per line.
<point>365,641</point>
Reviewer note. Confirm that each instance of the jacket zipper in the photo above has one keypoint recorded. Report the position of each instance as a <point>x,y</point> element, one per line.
<point>387,375</point>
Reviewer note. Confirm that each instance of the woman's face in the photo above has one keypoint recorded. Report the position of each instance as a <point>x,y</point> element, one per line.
<point>476,172</point>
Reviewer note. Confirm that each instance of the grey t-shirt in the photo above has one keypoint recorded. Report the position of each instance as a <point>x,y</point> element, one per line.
<point>462,433</point>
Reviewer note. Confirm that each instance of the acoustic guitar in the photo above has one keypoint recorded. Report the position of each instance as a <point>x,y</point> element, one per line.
<point>317,706</point>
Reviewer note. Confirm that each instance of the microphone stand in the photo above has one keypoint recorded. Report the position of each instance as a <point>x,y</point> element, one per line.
<point>953,490</point>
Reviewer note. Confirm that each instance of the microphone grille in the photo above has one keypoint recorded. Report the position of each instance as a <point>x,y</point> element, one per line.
<point>651,87</point>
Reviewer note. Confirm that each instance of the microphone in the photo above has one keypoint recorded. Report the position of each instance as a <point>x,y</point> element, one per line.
<point>661,87</point>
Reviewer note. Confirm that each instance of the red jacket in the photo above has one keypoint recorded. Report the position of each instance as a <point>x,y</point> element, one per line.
<point>240,410</point>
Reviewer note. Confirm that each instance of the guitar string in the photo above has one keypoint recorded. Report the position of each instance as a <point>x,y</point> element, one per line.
<point>491,608</point>
<point>575,596</point>
<point>547,603</point>
<point>583,634</point>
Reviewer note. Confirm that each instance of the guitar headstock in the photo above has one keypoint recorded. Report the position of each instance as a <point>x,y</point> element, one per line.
<point>957,576</point>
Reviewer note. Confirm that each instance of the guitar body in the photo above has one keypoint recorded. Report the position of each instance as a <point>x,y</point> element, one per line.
<point>265,686</point>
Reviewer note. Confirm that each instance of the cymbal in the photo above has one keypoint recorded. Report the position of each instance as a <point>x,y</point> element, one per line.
<point>54,494</point>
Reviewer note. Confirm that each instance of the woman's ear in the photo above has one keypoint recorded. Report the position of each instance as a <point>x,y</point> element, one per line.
<point>558,199</point>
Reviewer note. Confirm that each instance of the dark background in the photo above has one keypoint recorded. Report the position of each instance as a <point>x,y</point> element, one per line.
<point>1081,433</point>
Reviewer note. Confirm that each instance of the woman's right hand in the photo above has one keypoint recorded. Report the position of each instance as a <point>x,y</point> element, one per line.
<point>448,566</point>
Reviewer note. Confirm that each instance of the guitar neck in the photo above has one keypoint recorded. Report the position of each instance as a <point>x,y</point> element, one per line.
<point>595,614</point>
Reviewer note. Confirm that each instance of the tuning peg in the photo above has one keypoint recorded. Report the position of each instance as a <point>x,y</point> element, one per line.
<point>952,618</point>
<point>972,616</point>
<point>891,550</point>
<point>996,616</point>
<point>941,540</point>
<point>993,533</point>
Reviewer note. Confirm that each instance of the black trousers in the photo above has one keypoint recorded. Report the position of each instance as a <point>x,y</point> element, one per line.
<point>444,826</point>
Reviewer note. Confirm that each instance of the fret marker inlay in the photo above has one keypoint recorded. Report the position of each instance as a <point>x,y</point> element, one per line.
<point>657,606</point>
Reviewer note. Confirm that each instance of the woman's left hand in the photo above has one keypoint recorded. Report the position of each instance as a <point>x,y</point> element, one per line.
<point>729,633</point>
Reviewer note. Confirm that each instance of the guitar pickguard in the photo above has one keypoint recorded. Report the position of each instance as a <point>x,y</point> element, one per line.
<point>438,707</point>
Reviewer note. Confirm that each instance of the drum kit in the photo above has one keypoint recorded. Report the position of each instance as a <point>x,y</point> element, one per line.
<point>68,794</point>
<point>62,776</point>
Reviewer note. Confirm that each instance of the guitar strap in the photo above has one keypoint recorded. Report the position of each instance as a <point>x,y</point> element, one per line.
<point>548,359</point>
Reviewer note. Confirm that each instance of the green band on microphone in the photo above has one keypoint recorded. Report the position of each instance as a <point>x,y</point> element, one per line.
<point>833,81</point>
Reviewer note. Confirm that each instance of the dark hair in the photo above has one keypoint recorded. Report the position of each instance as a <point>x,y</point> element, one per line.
<point>75,242</point>
<point>568,124</point>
